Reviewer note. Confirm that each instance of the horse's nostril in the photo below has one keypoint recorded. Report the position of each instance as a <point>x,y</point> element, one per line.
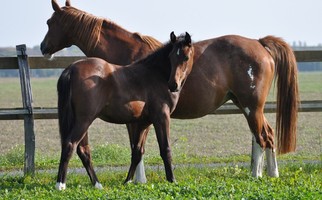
<point>43,48</point>
<point>173,87</point>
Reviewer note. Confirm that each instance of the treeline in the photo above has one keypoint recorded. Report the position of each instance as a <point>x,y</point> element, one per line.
<point>75,51</point>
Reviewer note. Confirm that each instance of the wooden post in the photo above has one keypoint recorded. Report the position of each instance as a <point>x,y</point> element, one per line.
<point>29,157</point>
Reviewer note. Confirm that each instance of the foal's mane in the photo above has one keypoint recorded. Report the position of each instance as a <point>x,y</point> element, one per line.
<point>88,27</point>
<point>157,57</point>
<point>160,54</point>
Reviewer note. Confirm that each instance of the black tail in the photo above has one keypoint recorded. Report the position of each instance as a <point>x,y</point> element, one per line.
<point>65,108</point>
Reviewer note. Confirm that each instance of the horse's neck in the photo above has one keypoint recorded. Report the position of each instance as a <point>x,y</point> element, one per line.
<point>116,45</point>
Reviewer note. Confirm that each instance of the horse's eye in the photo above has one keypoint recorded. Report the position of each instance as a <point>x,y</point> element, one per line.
<point>186,58</point>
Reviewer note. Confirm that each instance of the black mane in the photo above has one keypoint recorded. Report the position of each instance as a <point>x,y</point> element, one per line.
<point>157,56</point>
<point>159,59</point>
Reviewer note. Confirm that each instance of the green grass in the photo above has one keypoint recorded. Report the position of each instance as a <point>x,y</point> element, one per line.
<point>211,139</point>
<point>300,181</point>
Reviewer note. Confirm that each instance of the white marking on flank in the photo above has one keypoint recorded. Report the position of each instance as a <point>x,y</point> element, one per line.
<point>251,76</point>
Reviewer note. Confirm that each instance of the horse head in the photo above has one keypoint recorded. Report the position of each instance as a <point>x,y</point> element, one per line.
<point>56,37</point>
<point>181,59</point>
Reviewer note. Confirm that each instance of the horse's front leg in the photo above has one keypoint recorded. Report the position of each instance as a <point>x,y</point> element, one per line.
<point>137,134</point>
<point>162,129</point>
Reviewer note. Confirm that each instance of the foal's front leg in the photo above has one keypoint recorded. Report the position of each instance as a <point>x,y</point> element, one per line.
<point>162,129</point>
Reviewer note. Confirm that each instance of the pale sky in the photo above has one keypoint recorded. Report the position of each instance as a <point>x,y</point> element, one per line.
<point>24,21</point>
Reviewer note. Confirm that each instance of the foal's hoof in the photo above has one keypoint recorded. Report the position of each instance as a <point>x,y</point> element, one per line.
<point>172,181</point>
<point>98,186</point>
<point>60,186</point>
<point>127,182</point>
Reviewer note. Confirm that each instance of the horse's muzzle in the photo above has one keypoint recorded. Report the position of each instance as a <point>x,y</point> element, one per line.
<point>45,51</point>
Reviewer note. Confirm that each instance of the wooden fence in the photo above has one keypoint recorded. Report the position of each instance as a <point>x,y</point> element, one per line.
<point>28,113</point>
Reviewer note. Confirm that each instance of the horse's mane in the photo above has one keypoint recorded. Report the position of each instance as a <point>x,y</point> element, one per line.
<point>153,43</point>
<point>83,25</point>
<point>88,27</point>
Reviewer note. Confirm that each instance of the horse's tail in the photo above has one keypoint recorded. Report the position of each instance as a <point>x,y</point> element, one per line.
<point>287,92</point>
<point>65,108</point>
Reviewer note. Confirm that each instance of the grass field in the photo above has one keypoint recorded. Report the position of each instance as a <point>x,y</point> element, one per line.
<point>211,139</point>
<point>301,181</point>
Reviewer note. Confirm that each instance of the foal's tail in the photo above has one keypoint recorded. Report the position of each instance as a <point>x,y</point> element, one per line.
<point>287,92</point>
<point>65,109</point>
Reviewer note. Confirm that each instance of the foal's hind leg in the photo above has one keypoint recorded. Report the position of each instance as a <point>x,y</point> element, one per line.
<point>84,152</point>
<point>69,143</point>
<point>139,175</point>
<point>137,134</point>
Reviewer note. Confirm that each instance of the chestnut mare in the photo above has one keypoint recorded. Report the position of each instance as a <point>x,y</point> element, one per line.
<point>225,68</point>
<point>143,93</point>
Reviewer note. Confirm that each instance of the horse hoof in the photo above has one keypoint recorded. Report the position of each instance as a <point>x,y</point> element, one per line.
<point>98,186</point>
<point>140,180</point>
<point>60,186</point>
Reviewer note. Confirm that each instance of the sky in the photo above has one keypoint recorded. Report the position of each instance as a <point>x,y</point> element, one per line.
<point>24,21</point>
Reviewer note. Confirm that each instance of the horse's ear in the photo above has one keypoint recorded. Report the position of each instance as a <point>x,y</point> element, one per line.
<point>67,3</point>
<point>173,37</point>
<point>55,5</point>
<point>188,38</point>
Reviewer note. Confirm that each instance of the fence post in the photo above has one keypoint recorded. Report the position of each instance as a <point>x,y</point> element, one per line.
<point>29,157</point>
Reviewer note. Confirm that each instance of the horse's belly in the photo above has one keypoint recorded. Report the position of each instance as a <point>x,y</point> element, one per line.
<point>194,108</point>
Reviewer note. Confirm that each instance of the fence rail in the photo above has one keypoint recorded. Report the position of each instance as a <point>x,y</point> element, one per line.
<point>28,113</point>
<point>227,108</point>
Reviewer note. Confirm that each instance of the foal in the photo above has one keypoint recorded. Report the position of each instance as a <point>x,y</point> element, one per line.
<point>143,93</point>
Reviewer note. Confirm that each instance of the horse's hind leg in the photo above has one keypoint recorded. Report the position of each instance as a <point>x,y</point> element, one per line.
<point>255,121</point>
<point>263,139</point>
<point>272,169</point>
<point>257,161</point>
<point>84,152</point>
